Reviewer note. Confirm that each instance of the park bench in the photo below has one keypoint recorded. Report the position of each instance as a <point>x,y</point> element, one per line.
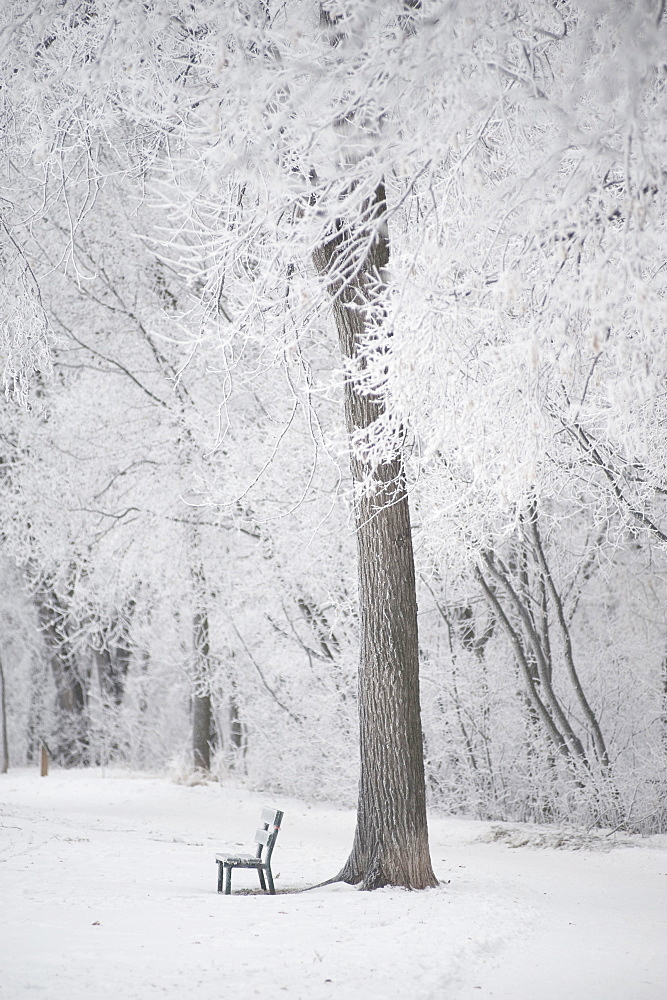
<point>265,839</point>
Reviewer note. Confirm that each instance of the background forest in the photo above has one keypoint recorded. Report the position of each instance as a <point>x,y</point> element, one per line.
<point>178,550</point>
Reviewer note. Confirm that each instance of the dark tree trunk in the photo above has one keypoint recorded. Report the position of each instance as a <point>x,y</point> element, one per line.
<point>72,747</point>
<point>201,700</point>
<point>391,840</point>
<point>201,731</point>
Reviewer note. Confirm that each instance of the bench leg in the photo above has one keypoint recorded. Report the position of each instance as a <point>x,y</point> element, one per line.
<point>261,879</point>
<point>219,876</point>
<point>269,879</point>
<point>228,880</point>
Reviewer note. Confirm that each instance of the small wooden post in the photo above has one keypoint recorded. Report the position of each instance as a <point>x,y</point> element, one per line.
<point>44,762</point>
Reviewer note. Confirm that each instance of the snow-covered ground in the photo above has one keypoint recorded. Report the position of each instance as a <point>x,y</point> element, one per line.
<point>108,890</point>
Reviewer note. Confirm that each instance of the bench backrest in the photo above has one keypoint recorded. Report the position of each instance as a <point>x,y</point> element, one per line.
<point>265,838</point>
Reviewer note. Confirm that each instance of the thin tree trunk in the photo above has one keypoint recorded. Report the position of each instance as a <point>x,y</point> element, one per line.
<point>391,839</point>
<point>201,731</point>
<point>73,738</point>
<point>534,700</point>
<point>202,715</point>
<point>237,732</point>
<point>3,712</point>
<point>589,714</point>
<point>201,700</point>
<point>543,666</point>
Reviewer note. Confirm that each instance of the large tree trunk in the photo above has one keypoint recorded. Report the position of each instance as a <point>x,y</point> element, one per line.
<point>391,840</point>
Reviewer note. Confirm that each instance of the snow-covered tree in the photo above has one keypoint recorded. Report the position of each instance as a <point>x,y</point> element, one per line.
<point>475,192</point>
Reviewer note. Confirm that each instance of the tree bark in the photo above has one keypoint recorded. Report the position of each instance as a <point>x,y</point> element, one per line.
<point>391,839</point>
